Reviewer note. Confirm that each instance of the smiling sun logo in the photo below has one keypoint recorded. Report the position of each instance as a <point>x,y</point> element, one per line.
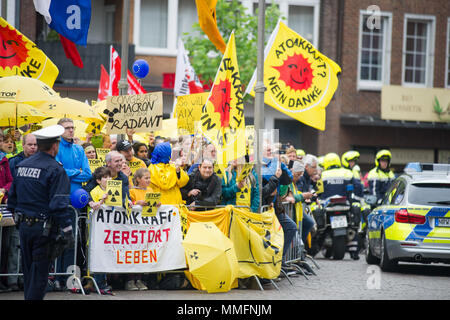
<point>296,72</point>
<point>13,51</point>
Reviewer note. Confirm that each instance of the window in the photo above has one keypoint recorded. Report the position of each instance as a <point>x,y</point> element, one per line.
<point>400,194</point>
<point>418,47</point>
<point>159,23</point>
<point>429,194</point>
<point>447,61</point>
<point>301,20</point>
<point>302,16</point>
<point>153,23</point>
<point>374,60</point>
<point>389,193</point>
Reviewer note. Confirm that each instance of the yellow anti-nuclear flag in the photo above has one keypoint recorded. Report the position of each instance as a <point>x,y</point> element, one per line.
<point>222,117</point>
<point>20,56</point>
<point>300,80</point>
<point>206,10</point>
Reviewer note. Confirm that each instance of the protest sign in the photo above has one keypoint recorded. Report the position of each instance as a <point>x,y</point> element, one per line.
<point>95,127</point>
<point>114,191</point>
<point>101,153</point>
<point>189,110</point>
<point>244,171</point>
<point>95,163</point>
<point>152,198</point>
<point>140,112</point>
<point>122,243</point>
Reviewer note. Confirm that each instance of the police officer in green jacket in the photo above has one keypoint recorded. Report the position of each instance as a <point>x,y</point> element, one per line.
<point>381,177</point>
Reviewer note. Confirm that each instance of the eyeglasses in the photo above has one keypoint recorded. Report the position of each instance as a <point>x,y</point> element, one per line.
<point>69,128</point>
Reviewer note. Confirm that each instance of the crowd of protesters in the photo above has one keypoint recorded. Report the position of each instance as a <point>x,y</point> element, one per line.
<point>183,170</point>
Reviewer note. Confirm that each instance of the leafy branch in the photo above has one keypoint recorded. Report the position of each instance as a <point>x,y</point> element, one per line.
<point>231,15</point>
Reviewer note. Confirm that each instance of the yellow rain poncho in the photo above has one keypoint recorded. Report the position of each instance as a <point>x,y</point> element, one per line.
<point>163,175</point>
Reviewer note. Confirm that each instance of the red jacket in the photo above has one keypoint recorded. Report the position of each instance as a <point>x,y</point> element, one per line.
<point>5,177</point>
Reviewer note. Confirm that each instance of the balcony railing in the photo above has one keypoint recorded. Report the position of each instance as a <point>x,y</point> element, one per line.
<point>93,55</point>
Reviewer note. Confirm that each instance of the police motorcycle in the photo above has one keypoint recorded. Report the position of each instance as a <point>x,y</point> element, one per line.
<point>369,203</point>
<point>338,222</point>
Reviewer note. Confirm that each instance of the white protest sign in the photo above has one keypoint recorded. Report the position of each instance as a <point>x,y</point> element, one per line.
<point>134,244</point>
<point>141,112</point>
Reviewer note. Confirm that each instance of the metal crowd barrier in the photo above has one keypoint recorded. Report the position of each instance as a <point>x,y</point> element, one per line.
<point>295,256</point>
<point>69,272</point>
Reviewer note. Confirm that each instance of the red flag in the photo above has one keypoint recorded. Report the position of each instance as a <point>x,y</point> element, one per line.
<point>103,86</point>
<point>114,73</point>
<point>71,51</point>
<point>134,87</point>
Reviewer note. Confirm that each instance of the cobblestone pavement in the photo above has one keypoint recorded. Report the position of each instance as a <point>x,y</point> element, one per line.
<point>343,280</point>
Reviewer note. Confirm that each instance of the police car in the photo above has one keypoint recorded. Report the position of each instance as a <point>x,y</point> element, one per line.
<point>412,223</point>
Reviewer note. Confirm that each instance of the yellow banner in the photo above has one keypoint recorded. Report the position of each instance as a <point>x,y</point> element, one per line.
<point>20,56</point>
<point>222,117</point>
<point>258,241</point>
<point>300,80</point>
<point>257,238</point>
<point>189,110</point>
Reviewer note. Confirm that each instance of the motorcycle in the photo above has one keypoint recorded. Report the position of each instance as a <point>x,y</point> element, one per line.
<point>338,221</point>
<point>371,203</point>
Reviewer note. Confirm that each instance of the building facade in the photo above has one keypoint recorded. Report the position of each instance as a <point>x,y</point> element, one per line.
<point>394,57</point>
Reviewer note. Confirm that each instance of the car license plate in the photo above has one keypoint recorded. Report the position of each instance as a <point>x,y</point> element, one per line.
<point>338,222</point>
<point>443,222</point>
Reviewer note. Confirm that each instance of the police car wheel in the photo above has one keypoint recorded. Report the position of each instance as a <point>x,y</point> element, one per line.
<point>386,264</point>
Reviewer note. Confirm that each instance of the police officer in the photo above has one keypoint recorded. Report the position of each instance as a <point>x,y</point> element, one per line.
<point>381,176</point>
<point>335,181</point>
<point>349,160</point>
<point>39,197</point>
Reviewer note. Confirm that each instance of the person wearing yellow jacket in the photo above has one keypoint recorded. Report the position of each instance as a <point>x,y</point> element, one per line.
<point>167,178</point>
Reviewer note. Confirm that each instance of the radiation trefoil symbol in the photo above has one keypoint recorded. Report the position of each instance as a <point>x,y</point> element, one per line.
<point>110,114</point>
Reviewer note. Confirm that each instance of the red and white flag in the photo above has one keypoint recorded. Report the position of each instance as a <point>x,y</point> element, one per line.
<point>103,86</point>
<point>134,87</point>
<point>186,80</point>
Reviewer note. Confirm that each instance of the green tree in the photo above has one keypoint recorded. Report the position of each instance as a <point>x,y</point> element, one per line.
<point>231,15</point>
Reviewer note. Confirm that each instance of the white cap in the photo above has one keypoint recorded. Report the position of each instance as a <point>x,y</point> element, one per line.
<point>50,132</point>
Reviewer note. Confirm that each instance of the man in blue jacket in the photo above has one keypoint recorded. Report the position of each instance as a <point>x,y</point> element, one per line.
<point>72,156</point>
<point>76,165</point>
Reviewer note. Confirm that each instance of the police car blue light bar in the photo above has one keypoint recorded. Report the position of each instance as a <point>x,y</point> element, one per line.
<point>412,167</point>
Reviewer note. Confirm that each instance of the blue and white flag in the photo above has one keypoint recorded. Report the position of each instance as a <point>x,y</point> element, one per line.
<point>70,18</point>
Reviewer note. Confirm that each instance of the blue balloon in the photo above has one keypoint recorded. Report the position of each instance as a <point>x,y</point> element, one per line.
<point>141,68</point>
<point>79,198</point>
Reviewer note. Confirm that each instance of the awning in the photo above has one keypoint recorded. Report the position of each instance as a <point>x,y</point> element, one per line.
<point>350,119</point>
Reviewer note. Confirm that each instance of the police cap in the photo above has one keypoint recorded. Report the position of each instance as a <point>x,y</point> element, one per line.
<point>50,133</point>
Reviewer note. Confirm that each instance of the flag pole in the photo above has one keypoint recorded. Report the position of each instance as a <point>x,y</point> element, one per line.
<point>259,97</point>
<point>123,82</point>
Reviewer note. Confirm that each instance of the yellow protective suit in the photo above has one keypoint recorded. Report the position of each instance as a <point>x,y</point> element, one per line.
<point>164,179</point>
